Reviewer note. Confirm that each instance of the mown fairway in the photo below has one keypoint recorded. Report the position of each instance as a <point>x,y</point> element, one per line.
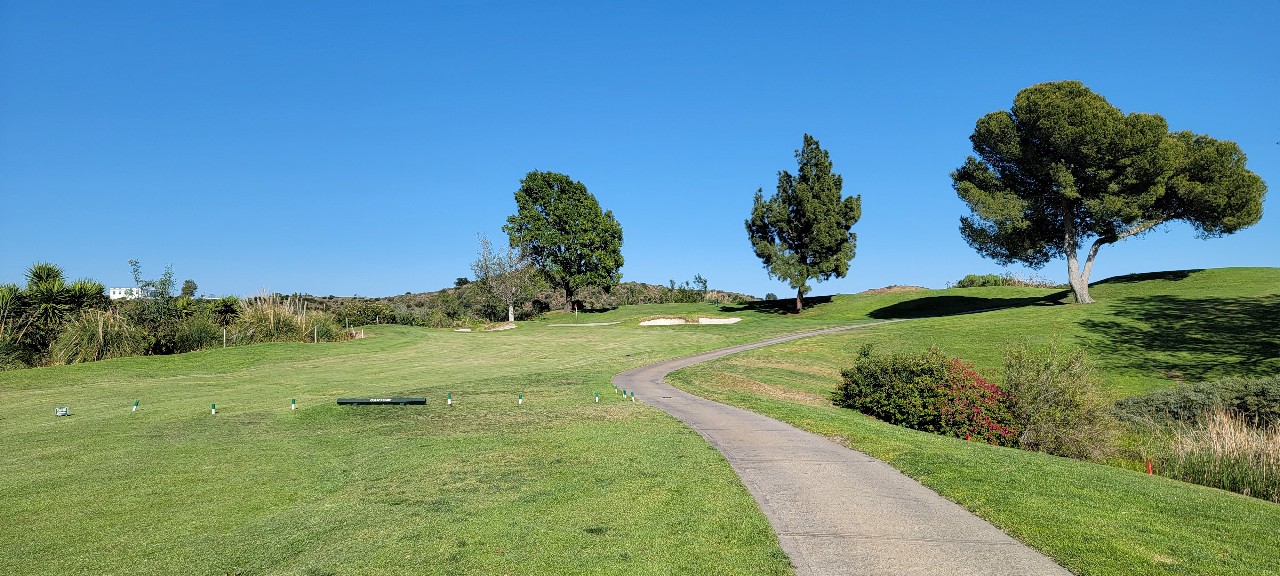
<point>558,485</point>
<point>564,485</point>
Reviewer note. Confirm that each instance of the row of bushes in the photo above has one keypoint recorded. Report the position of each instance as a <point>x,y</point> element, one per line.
<point>467,304</point>
<point>1047,403</point>
<point>1255,400</point>
<point>52,321</point>
<point>1224,434</point>
<point>96,334</point>
<point>1006,279</point>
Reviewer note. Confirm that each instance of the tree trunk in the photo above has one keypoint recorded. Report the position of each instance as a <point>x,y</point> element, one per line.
<point>511,313</point>
<point>799,299</point>
<point>568,299</point>
<point>1071,246</point>
<point>1079,282</point>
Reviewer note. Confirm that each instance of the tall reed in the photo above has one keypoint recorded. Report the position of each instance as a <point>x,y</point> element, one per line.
<point>1222,450</point>
<point>97,335</point>
<point>272,318</point>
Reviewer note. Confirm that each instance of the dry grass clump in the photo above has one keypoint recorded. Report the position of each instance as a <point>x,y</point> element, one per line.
<point>1222,450</point>
<point>97,335</point>
<point>272,318</point>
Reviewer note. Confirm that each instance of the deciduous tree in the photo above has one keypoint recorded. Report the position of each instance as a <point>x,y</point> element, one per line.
<point>1063,168</point>
<point>506,277</point>
<point>565,234</point>
<point>803,232</point>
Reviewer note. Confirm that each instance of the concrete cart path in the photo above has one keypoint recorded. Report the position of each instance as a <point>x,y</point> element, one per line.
<point>836,510</point>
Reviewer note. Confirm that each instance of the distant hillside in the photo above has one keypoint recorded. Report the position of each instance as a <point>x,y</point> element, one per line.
<point>466,303</point>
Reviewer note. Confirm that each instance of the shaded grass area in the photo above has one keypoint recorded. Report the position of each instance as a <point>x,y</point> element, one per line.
<point>1091,518</point>
<point>1145,332</point>
<point>1193,339</point>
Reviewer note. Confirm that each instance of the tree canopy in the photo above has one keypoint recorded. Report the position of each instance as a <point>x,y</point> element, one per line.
<point>565,234</point>
<point>802,232</point>
<point>1063,167</point>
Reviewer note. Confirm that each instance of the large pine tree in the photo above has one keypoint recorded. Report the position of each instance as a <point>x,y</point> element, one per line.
<point>1064,167</point>
<point>802,232</point>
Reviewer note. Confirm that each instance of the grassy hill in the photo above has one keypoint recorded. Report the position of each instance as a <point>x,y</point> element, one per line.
<point>562,484</point>
<point>1146,331</point>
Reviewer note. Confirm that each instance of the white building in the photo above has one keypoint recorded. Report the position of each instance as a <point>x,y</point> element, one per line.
<point>132,293</point>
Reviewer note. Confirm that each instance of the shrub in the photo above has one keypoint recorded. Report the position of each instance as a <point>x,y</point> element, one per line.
<point>362,312</point>
<point>976,280</point>
<point>972,407</point>
<point>97,335</point>
<point>196,333</point>
<point>1222,450</point>
<point>928,392</point>
<point>1056,404</point>
<point>271,318</point>
<point>1257,400</point>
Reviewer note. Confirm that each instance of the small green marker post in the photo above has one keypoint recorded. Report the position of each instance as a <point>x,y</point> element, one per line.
<point>520,400</point>
<point>450,399</point>
<point>633,396</point>
<point>213,408</point>
<point>135,406</point>
<point>597,397</point>
<point>293,403</point>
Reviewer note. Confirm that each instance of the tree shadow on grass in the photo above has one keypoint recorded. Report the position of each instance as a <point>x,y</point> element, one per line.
<point>1191,338</point>
<point>933,306</point>
<point>781,306</point>
<point>1172,276</point>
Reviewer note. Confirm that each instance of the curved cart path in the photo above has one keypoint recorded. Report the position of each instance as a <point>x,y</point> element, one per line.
<point>836,510</point>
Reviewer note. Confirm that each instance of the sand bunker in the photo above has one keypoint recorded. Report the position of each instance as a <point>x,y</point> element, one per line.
<point>674,321</point>
<point>588,324</point>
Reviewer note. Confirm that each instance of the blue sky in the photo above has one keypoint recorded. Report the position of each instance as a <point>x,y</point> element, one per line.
<point>358,148</point>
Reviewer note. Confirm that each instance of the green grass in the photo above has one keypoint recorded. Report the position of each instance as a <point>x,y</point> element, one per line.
<point>559,485</point>
<point>1145,332</point>
<point>1094,519</point>
<point>564,485</point>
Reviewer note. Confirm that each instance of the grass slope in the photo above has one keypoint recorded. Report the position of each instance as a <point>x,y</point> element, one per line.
<point>1093,519</point>
<point>562,484</point>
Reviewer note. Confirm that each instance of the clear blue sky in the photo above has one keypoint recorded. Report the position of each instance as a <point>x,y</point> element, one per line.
<point>358,148</point>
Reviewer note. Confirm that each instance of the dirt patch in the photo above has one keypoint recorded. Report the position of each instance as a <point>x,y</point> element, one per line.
<point>811,369</point>
<point>892,289</point>
<point>742,384</point>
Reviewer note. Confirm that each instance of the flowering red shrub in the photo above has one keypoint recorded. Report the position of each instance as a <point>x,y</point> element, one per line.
<point>931,393</point>
<point>969,406</point>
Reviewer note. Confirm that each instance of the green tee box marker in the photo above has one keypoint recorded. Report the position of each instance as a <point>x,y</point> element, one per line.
<point>213,408</point>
